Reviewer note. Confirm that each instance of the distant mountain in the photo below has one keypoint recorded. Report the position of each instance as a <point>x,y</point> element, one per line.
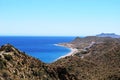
<point>112,35</point>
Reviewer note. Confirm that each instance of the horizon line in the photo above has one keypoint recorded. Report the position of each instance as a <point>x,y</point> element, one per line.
<point>37,36</point>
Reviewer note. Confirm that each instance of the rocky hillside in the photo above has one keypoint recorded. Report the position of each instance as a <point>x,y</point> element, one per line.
<point>16,65</point>
<point>81,43</point>
<point>99,61</point>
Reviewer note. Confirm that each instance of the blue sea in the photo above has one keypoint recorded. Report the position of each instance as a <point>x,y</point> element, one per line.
<point>42,48</point>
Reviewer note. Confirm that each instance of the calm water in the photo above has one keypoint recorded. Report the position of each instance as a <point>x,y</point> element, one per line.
<point>42,48</point>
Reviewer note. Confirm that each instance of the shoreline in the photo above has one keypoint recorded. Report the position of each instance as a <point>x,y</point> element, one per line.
<point>71,53</point>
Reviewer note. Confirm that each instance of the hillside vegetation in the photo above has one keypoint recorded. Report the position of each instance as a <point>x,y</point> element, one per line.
<point>101,61</point>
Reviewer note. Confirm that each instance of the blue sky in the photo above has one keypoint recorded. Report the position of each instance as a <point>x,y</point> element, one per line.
<point>59,17</point>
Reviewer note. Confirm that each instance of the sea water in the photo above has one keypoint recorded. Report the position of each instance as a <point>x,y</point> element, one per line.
<point>39,47</point>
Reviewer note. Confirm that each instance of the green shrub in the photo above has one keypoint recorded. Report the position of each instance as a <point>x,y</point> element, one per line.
<point>5,75</point>
<point>8,57</point>
<point>36,73</point>
<point>83,52</point>
<point>2,64</point>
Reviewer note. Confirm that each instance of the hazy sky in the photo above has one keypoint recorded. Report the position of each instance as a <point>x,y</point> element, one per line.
<point>59,17</point>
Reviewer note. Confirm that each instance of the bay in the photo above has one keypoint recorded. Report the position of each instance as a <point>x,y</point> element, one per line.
<point>41,47</point>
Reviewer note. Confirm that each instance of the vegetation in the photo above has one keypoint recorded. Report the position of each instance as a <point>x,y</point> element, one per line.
<point>8,57</point>
<point>2,64</point>
<point>100,62</point>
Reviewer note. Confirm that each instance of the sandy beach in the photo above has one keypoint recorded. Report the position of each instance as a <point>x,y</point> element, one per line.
<point>71,53</point>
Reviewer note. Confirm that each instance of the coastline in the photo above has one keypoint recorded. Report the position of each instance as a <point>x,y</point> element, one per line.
<point>71,53</point>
